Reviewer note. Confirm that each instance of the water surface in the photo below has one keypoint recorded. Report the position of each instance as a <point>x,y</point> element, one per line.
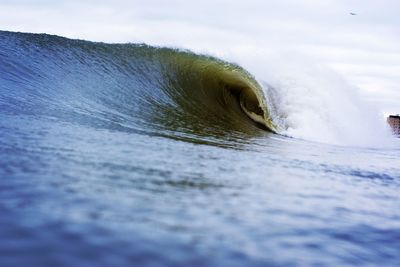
<point>122,155</point>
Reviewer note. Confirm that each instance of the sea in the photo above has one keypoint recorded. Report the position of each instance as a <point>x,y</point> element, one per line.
<point>138,155</point>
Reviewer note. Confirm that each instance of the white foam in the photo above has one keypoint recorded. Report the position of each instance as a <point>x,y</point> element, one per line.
<point>312,102</point>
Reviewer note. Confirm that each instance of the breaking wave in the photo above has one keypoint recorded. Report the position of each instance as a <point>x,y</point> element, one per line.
<point>167,92</point>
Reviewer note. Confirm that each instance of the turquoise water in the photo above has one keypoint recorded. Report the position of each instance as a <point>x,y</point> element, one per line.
<point>115,155</point>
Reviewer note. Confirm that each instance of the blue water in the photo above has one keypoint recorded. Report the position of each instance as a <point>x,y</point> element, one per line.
<point>101,167</point>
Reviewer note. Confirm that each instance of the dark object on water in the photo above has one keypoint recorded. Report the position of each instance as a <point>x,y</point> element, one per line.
<point>394,122</point>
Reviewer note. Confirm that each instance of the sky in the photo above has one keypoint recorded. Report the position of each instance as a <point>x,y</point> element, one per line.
<point>363,48</point>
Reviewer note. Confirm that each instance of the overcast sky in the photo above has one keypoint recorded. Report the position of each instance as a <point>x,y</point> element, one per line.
<point>364,48</point>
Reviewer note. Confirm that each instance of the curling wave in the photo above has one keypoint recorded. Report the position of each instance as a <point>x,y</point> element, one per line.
<point>135,86</point>
<point>179,94</point>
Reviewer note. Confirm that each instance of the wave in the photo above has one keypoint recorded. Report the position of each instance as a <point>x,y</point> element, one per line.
<point>168,92</point>
<point>146,87</point>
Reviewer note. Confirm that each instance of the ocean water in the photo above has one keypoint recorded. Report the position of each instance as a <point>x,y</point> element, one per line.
<point>132,155</point>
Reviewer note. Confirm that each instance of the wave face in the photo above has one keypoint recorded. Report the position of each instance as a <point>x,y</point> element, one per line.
<point>158,91</point>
